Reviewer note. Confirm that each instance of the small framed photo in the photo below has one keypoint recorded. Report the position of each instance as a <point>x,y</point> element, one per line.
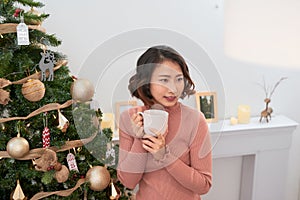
<point>207,104</point>
<point>122,106</point>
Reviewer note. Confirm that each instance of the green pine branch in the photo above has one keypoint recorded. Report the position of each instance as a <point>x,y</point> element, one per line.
<point>31,3</point>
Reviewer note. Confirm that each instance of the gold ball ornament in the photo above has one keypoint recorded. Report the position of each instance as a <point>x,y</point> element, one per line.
<point>17,147</point>
<point>82,90</point>
<point>62,175</point>
<point>33,90</point>
<point>98,177</point>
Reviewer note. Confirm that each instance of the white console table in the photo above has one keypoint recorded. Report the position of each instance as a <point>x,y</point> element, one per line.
<point>264,148</point>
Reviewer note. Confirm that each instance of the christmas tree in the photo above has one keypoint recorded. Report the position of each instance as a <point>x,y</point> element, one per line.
<point>51,143</point>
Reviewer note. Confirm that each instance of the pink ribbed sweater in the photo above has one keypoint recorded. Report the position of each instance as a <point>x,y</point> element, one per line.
<point>186,170</point>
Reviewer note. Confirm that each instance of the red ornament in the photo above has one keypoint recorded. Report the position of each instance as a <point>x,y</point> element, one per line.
<point>46,137</point>
<point>17,12</point>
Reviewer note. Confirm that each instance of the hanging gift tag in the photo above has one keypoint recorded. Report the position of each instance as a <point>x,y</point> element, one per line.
<point>72,162</point>
<point>22,33</point>
<point>110,155</point>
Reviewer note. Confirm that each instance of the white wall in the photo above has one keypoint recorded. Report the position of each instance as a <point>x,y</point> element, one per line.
<point>86,26</point>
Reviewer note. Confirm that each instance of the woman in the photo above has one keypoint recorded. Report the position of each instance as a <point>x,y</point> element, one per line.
<point>176,164</point>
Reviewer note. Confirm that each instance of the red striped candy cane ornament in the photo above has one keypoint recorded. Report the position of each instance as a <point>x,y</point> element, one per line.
<point>46,137</point>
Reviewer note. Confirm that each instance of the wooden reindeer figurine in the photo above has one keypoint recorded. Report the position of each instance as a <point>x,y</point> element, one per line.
<point>266,113</point>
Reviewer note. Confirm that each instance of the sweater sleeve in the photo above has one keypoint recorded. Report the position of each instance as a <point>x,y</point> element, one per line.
<point>132,156</point>
<point>197,176</point>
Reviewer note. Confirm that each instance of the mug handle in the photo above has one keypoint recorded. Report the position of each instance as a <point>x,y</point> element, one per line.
<point>141,113</point>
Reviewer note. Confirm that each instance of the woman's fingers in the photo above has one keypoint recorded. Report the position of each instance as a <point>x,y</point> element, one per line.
<point>137,125</point>
<point>153,143</point>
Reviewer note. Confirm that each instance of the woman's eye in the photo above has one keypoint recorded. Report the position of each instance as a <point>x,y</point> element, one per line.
<point>180,79</point>
<point>164,80</point>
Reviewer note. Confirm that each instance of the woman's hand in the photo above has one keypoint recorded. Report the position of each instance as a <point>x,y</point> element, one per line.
<point>155,145</point>
<point>137,125</point>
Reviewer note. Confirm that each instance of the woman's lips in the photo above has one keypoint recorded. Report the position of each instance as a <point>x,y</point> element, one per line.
<point>170,98</point>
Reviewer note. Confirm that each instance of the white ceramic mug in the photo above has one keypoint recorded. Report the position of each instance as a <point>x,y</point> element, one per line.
<point>156,120</point>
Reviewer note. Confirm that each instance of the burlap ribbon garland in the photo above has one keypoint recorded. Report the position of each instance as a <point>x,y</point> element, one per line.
<point>12,28</point>
<point>38,152</point>
<point>35,153</point>
<point>46,108</point>
<point>4,82</point>
<point>4,95</point>
<point>63,193</point>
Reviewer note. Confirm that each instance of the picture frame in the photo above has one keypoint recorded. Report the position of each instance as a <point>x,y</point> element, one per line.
<point>207,104</point>
<point>122,106</point>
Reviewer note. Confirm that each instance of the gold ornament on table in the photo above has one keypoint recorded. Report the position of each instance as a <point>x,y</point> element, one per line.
<point>266,113</point>
<point>33,90</point>
<point>18,193</point>
<point>98,178</point>
<point>82,90</point>
<point>17,147</point>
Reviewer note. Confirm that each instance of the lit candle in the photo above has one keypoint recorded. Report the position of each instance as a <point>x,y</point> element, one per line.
<point>243,114</point>
<point>233,121</point>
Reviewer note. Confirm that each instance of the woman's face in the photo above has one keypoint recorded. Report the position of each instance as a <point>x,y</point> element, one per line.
<point>167,83</point>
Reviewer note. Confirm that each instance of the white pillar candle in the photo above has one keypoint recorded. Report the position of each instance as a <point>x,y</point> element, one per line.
<point>243,114</point>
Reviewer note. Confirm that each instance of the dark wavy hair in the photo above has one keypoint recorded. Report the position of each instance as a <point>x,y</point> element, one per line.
<point>139,84</point>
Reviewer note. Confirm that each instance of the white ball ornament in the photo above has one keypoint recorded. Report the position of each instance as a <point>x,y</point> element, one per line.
<point>82,90</point>
<point>98,177</point>
<point>17,147</point>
